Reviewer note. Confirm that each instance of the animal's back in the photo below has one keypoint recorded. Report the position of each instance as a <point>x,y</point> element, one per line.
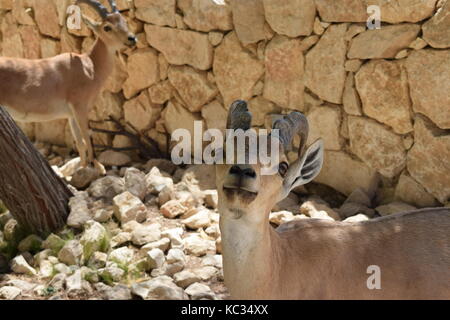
<point>411,249</point>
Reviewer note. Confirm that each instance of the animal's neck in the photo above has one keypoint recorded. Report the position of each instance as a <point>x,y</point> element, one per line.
<point>102,57</point>
<point>248,256</point>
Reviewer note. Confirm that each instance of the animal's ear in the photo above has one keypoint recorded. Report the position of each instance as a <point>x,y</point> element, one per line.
<point>305,169</point>
<point>90,23</point>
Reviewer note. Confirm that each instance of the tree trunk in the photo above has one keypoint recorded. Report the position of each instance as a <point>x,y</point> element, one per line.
<point>36,197</point>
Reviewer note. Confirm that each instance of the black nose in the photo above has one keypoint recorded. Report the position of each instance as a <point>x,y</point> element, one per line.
<point>243,172</point>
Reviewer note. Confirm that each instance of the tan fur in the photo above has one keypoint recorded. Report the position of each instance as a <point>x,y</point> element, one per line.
<point>64,86</point>
<point>317,259</point>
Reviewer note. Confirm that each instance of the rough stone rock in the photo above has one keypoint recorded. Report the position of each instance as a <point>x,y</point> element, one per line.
<point>23,285</point>
<point>120,239</point>
<point>435,30</point>
<point>135,182</point>
<point>428,74</point>
<point>160,288</point>
<point>32,244</point>
<point>83,177</point>
<point>353,65</point>
<point>174,235</point>
<point>383,88</point>
<point>199,291</point>
<point>249,20</point>
<point>53,243</point>
<point>21,266</point>
<point>235,83</point>
<point>114,158</point>
<point>31,42</point>
<point>46,18</point>
<point>214,113</point>
<point>394,207</point>
<point>318,210</point>
<point>118,292</point>
<point>324,72</point>
<point>356,10</point>
<point>107,187</point>
<point>145,234</point>
<point>325,123</point>
<point>46,269</point>
<point>162,244</point>
<point>206,15</point>
<point>62,268</point>
<point>358,218</point>
<point>351,99</point>
<point>181,47</point>
<point>128,207</point>
<point>9,292</point>
<point>213,260</point>
<point>198,220</point>
<point>383,43</point>
<point>280,217</point>
<point>161,92</point>
<point>71,253</point>
<point>197,246</point>
<point>76,285</point>
<point>291,18</point>
<point>411,192</point>
<point>352,174</point>
<point>122,256</point>
<point>428,159</point>
<point>94,239</point>
<point>103,214</point>
<point>380,148</point>
<point>176,256</point>
<point>156,182</point>
<point>111,273</point>
<point>158,12</point>
<point>79,210</point>
<point>140,112</point>
<point>185,278</point>
<point>193,86</point>
<point>284,73</point>
<point>215,38</point>
<point>142,70</point>
<point>173,209</point>
<point>98,260</point>
<point>155,258</point>
<point>418,44</point>
<point>70,167</point>
<point>175,117</point>
<point>211,199</point>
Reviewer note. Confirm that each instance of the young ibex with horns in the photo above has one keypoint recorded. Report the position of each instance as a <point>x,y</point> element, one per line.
<point>319,259</point>
<point>65,86</point>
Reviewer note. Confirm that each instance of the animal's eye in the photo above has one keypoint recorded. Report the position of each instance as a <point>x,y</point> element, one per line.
<point>107,28</point>
<point>283,168</point>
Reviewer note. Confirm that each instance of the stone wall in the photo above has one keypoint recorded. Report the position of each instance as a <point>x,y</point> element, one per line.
<point>379,98</point>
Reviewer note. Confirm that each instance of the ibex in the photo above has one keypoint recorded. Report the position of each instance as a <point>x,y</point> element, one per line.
<point>65,86</point>
<point>319,259</point>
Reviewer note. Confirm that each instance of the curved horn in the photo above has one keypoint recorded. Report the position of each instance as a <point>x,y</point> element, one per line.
<point>238,116</point>
<point>97,6</point>
<point>113,5</point>
<point>291,124</point>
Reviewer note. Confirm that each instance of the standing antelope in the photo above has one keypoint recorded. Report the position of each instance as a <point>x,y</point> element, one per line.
<point>65,86</point>
<point>319,259</point>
